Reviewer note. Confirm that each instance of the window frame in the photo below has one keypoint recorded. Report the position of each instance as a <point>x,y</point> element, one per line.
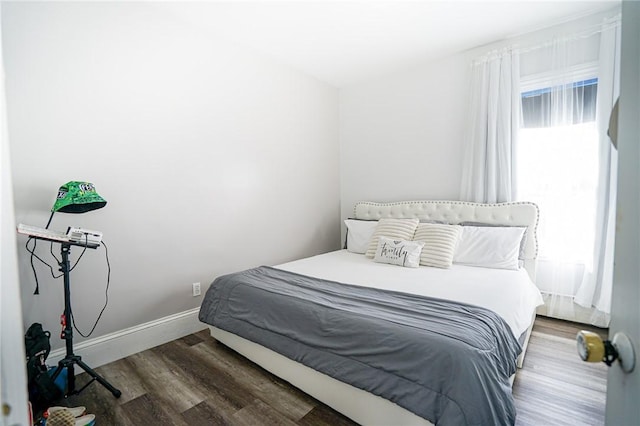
<point>575,73</point>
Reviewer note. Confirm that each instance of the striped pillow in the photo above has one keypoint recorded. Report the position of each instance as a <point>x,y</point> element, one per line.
<point>397,229</point>
<point>439,243</point>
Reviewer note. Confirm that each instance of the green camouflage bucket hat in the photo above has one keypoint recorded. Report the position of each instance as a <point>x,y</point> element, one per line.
<point>78,197</point>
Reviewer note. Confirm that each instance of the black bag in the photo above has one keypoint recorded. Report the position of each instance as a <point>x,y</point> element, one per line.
<point>42,389</point>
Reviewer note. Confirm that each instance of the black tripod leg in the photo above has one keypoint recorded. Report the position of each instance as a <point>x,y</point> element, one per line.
<point>66,362</point>
<point>99,378</point>
<point>71,378</point>
<point>67,334</point>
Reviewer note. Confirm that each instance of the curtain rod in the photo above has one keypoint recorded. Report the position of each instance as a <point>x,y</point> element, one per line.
<point>606,24</point>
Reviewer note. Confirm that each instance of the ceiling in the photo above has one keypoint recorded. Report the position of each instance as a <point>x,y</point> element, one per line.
<point>343,42</point>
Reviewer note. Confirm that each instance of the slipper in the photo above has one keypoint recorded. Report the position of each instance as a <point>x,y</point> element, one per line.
<point>60,418</point>
<point>88,420</point>
<point>75,411</point>
<point>64,417</point>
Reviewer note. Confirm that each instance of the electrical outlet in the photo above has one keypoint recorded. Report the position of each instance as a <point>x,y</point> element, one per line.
<point>196,289</point>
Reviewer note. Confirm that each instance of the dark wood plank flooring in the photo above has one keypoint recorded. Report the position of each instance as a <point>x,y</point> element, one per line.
<point>197,381</point>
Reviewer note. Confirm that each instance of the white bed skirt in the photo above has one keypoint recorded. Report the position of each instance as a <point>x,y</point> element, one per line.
<point>360,406</point>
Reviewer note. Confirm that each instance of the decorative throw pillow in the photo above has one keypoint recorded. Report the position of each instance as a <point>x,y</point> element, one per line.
<point>359,233</point>
<point>489,247</point>
<point>440,242</point>
<point>398,229</point>
<point>398,252</point>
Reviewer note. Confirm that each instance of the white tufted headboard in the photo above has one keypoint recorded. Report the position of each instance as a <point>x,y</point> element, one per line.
<point>454,212</point>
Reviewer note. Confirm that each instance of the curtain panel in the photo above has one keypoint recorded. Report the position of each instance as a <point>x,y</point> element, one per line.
<point>577,280</point>
<point>491,135</point>
<point>597,284</point>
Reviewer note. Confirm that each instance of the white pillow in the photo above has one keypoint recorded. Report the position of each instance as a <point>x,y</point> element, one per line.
<point>398,229</point>
<point>489,247</point>
<point>440,243</point>
<point>523,242</point>
<point>398,252</point>
<point>359,233</point>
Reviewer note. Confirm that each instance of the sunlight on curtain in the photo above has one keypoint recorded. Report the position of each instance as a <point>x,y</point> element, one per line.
<point>556,171</point>
<point>565,165</point>
<point>597,285</point>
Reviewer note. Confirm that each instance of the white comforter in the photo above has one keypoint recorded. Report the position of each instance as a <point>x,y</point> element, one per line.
<point>509,293</point>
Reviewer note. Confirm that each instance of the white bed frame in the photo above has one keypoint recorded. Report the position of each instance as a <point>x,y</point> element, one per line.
<point>361,406</point>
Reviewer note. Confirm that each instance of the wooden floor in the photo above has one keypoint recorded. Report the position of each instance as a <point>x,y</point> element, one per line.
<point>555,387</point>
<point>197,381</point>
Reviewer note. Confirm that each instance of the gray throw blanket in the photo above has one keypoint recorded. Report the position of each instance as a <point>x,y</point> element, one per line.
<point>447,362</point>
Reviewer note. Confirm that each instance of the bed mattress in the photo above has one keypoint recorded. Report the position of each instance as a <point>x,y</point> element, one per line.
<point>509,293</point>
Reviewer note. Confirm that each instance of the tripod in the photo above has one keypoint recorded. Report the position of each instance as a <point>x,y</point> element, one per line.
<point>71,359</point>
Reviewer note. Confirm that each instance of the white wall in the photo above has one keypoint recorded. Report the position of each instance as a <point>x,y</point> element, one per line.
<point>401,136</point>
<point>212,159</point>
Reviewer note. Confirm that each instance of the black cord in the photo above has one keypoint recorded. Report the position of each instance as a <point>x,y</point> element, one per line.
<point>33,254</point>
<point>33,267</point>
<point>106,296</point>
<point>33,251</point>
<point>53,254</point>
<point>49,221</point>
<point>86,243</point>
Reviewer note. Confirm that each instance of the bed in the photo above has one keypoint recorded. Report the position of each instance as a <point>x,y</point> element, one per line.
<point>352,284</point>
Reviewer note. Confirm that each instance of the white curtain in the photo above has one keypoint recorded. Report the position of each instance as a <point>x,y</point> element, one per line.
<point>568,167</point>
<point>596,287</point>
<point>493,127</point>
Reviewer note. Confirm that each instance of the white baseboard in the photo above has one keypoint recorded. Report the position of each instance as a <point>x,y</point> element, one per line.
<point>120,344</point>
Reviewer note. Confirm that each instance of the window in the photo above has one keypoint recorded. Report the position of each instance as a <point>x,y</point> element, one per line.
<point>557,168</point>
<point>578,99</point>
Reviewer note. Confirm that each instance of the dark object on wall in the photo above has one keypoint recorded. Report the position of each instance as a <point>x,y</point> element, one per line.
<point>613,125</point>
